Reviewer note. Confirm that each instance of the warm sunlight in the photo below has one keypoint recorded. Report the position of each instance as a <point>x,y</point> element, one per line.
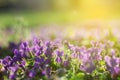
<point>97,9</point>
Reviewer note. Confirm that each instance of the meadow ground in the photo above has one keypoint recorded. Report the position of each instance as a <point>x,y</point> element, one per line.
<point>59,46</point>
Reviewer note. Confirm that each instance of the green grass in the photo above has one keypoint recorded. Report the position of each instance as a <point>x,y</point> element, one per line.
<point>35,18</point>
<point>30,19</point>
<point>23,20</point>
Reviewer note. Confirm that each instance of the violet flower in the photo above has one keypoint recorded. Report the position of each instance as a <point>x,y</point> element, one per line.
<point>88,67</point>
<point>113,64</point>
<point>32,73</point>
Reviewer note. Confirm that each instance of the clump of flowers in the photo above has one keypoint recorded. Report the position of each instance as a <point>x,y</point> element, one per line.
<point>48,60</point>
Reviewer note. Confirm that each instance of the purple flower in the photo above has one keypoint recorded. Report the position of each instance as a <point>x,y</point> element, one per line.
<point>16,53</point>
<point>13,70</point>
<point>112,64</point>
<point>20,53</point>
<point>66,63</point>
<point>24,45</point>
<point>47,43</point>
<point>112,52</point>
<point>85,57</point>
<point>48,72</point>
<point>39,60</point>
<point>32,73</point>
<point>12,76</point>
<point>74,55</point>
<point>47,61</point>
<point>88,67</point>
<point>59,60</point>
<point>36,65</point>
<point>117,69</point>
<point>6,61</point>
<point>48,52</point>
<point>22,65</point>
<point>16,58</point>
<point>59,53</point>
<point>37,50</point>
<point>23,62</point>
<point>88,58</point>
<point>37,41</point>
<point>43,72</point>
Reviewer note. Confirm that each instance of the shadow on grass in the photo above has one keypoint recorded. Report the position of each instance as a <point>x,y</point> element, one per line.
<point>5,51</point>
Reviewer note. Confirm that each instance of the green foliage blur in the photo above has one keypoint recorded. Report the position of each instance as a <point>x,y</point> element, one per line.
<point>19,17</point>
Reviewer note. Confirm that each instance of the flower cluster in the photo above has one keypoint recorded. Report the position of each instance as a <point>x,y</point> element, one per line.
<point>47,60</point>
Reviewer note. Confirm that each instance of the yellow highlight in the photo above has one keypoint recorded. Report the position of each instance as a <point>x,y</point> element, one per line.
<point>98,9</point>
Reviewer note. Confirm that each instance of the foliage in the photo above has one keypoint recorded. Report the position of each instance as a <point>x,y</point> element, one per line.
<point>56,60</point>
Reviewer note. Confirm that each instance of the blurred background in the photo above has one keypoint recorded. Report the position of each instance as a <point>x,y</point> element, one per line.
<point>74,20</point>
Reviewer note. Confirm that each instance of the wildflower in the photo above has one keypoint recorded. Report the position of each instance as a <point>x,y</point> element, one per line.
<point>112,64</point>
<point>32,73</point>
<point>88,67</point>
